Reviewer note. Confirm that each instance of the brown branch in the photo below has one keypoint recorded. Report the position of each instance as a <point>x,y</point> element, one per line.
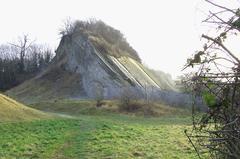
<point>210,17</point>
<point>220,44</point>
<point>209,73</point>
<point>219,6</point>
<point>234,92</point>
<point>219,76</point>
<point>189,139</point>
<point>223,131</point>
<point>14,45</point>
<point>219,83</point>
<point>231,26</point>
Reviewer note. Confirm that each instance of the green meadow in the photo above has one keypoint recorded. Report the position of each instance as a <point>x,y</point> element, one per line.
<point>86,136</point>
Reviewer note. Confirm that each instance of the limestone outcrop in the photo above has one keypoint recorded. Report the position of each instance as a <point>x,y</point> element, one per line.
<point>87,64</point>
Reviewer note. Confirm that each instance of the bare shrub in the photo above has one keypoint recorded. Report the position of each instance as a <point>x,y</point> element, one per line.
<point>129,101</point>
<point>216,80</point>
<point>99,94</point>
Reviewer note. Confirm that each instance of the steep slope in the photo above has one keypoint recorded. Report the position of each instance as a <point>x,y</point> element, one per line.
<point>163,79</point>
<point>92,60</point>
<point>11,110</point>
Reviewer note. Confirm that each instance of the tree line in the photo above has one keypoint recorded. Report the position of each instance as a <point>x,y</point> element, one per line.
<point>22,60</point>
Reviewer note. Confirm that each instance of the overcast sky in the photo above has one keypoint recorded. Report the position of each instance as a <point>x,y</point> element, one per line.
<point>164,32</point>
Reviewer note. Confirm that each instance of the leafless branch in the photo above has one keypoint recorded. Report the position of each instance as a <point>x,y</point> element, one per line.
<point>222,7</point>
<point>221,45</point>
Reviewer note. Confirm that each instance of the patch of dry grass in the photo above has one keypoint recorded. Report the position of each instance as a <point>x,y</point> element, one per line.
<point>11,110</point>
<point>88,107</point>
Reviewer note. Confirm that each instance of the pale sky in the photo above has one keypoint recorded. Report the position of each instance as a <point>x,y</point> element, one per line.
<point>163,32</point>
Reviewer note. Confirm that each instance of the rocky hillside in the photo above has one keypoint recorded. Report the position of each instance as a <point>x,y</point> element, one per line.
<point>92,60</point>
<point>12,110</point>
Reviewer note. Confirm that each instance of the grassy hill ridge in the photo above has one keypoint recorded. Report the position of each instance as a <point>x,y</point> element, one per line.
<point>11,110</point>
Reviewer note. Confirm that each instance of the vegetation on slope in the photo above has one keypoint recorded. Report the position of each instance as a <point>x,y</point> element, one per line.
<point>53,83</point>
<point>104,37</point>
<point>11,110</point>
<point>163,79</point>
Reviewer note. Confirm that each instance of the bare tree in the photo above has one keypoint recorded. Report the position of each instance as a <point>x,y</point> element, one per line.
<point>23,45</point>
<point>21,61</point>
<point>67,27</point>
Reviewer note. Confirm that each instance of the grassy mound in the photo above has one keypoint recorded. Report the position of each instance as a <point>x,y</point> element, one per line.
<point>11,110</point>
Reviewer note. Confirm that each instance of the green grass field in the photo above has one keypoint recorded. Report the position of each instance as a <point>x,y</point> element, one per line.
<point>36,139</point>
<point>83,131</point>
<point>114,136</point>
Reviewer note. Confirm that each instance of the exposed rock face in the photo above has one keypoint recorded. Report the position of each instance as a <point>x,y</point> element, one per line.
<point>85,67</point>
<point>100,71</point>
